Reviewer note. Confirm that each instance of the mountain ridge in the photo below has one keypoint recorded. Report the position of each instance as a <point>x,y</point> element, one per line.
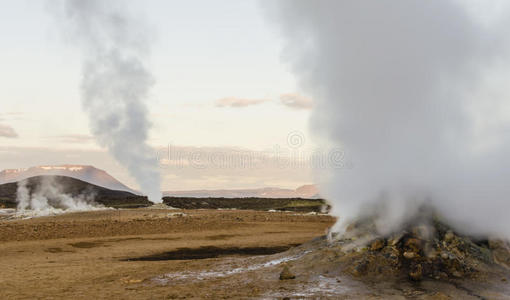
<point>304,191</point>
<point>73,187</point>
<point>85,173</point>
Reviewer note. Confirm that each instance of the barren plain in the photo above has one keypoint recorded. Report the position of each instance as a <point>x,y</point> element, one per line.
<point>146,253</point>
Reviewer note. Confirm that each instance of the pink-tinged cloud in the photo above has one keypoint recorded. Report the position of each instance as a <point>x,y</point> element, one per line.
<point>296,101</point>
<point>7,131</point>
<point>238,102</point>
<point>72,138</point>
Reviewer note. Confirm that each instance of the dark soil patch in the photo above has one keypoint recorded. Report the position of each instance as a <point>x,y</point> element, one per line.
<point>115,240</point>
<point>118,240</point>
<point>163,239</point>
<point>86,245</point>
<point>54,250</point>
<point>58,250</point>
<point>211,252</point>
<point>221,237</point>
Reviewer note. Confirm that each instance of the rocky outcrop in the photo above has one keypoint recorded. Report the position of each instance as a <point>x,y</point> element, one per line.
<point>426,249</point>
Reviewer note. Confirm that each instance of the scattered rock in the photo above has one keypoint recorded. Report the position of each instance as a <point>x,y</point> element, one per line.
<point>449,236</point>
<point>395,239</point>
<point>392,254</point>
<point>500,252</point>
<point>429,251</point>
<point>440,296</point>
<point>413,244</point>
<point>377,245</point>
<point>176,214</point>
<point>286,274</point>
<point>495,244</point>
<point>457,274</point>
<point>130,281</point>
<point>416,272</point>
<point>361,268</point>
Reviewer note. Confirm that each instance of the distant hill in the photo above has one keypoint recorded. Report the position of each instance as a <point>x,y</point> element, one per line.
<point>85,173</point>
<point>309,191</point>
<point>74,187</point>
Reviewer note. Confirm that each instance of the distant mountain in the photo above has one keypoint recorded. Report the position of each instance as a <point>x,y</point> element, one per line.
<point>74,187</point>
<point>305,191</point>
<point>86,173</point>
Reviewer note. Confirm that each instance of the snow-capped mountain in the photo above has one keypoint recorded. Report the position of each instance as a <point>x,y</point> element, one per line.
<point>85,173</point>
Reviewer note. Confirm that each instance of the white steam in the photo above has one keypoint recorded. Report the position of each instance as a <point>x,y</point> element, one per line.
<point>47,198</point>
<point>115,83</point>
<point>416,93</point>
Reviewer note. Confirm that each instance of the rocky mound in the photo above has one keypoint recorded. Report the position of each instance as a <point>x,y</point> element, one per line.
<point>74,187</point>
<point>426,249</point>
<point>426,257</point>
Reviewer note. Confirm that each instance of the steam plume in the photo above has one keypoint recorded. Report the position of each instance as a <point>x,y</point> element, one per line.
<point>115,83</point>
<point>48,198</point>
<point>416,94</point>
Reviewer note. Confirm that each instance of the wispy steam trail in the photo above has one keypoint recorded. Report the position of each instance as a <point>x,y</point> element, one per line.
<point>416,93</point>
<point>115,83</point>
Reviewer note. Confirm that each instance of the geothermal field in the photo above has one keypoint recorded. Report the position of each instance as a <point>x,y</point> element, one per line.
<point>255,149</point>
<point>56,242</point>
<point>160,252</point>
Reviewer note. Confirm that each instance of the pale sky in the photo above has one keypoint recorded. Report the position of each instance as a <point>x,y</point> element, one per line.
<point>219,84</point>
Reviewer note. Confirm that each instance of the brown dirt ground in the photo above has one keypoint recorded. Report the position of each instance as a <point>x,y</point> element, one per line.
<point>87,255</point>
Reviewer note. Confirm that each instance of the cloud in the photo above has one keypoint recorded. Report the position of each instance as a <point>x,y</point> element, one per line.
<point>7,131</point>
<point>72,138</point>
<point>238,102</point>
<point>9,116</point>
<point>290,100</point>
<point>296,101</point>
